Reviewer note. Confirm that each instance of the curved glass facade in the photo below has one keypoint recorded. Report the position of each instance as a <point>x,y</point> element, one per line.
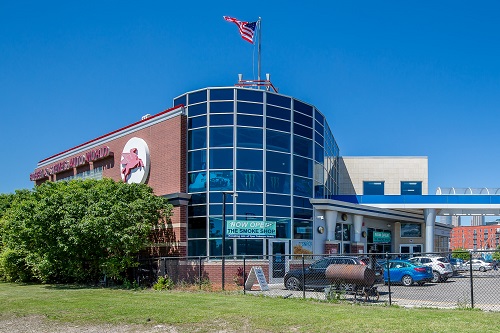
<point>275,151</point>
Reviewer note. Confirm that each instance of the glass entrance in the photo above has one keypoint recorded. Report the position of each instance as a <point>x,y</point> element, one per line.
<point>408,250</point>
<point>278,263</point>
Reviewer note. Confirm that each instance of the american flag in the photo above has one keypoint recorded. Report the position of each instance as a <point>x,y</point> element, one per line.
<point>246,28</point>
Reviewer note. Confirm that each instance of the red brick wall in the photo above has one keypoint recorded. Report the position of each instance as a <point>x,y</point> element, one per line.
<point>167,143</point>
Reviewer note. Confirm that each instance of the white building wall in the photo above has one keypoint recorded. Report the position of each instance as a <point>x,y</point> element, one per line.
<point>391,170</point>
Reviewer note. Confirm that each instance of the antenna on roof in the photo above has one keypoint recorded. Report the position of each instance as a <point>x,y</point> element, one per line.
<point>256,83</point>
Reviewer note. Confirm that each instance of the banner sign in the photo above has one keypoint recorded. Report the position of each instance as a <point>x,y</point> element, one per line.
<point>381,237</point>
<point>250,229</point>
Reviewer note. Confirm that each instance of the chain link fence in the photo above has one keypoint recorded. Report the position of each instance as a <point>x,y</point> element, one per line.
<point>445,280</point>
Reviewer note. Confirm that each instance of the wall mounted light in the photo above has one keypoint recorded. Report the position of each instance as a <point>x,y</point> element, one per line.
<point>363,234</point>
<point>321,229</point>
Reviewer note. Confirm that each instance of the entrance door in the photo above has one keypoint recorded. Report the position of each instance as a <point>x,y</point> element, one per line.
<point>279,263</point>
<point>408,250</point>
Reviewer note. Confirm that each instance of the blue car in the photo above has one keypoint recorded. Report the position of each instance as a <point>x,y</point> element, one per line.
<point>407,273</point>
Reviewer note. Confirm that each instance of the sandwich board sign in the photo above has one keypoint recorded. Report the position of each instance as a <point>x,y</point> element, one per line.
<point>256,275</point>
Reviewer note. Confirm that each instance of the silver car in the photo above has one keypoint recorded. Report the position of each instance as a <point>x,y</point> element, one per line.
<point>479,265</point>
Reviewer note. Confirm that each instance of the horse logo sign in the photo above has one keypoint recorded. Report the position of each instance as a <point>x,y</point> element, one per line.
<point>134,164</point>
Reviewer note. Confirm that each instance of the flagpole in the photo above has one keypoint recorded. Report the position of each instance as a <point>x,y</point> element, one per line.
<point>258,59</point>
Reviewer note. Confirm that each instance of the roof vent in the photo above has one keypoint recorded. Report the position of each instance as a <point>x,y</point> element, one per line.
<point>146,116</point>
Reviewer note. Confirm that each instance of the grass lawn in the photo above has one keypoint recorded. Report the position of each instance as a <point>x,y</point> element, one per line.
<point>202,311</point>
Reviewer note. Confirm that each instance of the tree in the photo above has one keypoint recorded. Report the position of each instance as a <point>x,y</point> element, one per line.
<point>496,254</point>
<point>77,231</point>
<point>461,253</point>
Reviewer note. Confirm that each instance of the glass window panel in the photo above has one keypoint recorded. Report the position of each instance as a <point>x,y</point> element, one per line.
<point>283,227</point>
<point>302,130</point>
<point>197,122</point>
<point>255,121</point>
<point>221,94</point>
<point>197,97</point>
<point>251,108</point>
<point>279,211</point>
<point>320,129</point>
<point>302,166</point>
<point>302,202</point>
<point>198,210</point>
<point>254,198</point>
<point>197,160</point>
<point>198,198</point>
<point>249,247</point>
<point>274,199</point>
<point>197,110</point>
<point>302,213</point>
<point>302,229</point>
<point>215,226</point>
<point>252,210</point>
<point>276,112</point>
<point>278,100</point>
<point>302,107</point>
<point>197,182</point>
<point>216,210</point>
<point>221,136</point>
<point>249,159</point>
<point>249,137</point>
<point>411,188</point>
<point>197,247</point>
<point>346,232</point>
<point>221,180</point>
<point>278,162</point>
<point>249,181</point>
<point>302,119</point>
<point>221,119</point>
<point>216,197</point>
<point>250,95</point>
<point>373,188</point>
<point>277,124</point>
<point>319,139</point>
<point>302,186</point>
<point>215,246</point>
<point>180,100</point>
<point>197,227</point>
<point>278,141</point>
<point>302,146</point>
<point>319,190</point>
<point>319,153</point>
<point>319,117</point>
<point>221,158</point>
<point>338,231</point>
<point>197,139</point>
<point>278,183</point>
<point>221,107</point>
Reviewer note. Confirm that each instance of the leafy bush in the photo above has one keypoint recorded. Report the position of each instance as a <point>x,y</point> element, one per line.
<point>13,266</point>
<point>164,283</point>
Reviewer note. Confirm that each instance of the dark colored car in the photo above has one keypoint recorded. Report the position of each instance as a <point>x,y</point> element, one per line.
<point>314,275</point>
<point>407,273</point>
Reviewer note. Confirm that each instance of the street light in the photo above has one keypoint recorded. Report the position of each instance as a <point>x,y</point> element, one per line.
<point>234,194</point>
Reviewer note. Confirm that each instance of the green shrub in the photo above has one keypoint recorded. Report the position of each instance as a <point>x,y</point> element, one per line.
<point>13,266</point>
<point>164,283</point>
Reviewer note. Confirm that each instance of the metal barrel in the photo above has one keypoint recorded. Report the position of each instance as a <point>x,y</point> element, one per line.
<point>359,275</point>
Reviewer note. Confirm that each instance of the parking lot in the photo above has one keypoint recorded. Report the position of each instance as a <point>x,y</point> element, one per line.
<point>454,293</point>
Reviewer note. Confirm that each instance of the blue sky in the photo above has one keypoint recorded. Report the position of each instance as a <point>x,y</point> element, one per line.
<point>394,78</point>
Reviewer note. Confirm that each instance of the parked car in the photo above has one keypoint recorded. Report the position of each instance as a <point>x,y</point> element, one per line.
<point>441,267</point>
<point>479,265</point>
<point>315,275</point>
<point>407,273</point>
<point>458,265</point>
